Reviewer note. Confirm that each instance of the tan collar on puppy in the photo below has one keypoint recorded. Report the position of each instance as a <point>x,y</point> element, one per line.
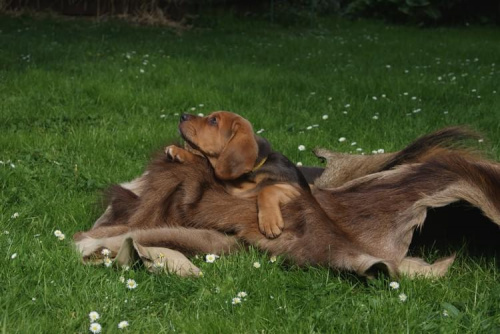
<point>262,162</point>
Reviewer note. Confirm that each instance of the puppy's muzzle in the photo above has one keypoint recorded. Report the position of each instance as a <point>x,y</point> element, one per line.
<point>186,117</point>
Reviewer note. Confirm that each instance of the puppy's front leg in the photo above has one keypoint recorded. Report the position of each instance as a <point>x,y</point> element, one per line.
<point>178,154</point>
<point>269,200</point>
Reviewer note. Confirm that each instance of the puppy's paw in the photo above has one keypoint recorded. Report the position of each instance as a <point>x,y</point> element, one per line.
<point>270,222</point>
<point>174,153</point>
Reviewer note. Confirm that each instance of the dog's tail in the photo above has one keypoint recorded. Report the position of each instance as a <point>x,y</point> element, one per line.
<point>450,138</point>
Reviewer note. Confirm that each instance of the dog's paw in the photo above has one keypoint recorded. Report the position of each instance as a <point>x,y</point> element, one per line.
<point>174,153</point>
<point>271,222</point>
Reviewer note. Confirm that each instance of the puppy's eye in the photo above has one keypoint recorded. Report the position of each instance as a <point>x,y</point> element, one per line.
<point>212,120</point>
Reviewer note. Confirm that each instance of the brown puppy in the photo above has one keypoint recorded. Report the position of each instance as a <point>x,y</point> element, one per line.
<point>243,161</point>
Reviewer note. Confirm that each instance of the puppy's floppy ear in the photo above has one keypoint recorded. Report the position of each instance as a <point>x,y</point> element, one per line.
<point>239,155</point>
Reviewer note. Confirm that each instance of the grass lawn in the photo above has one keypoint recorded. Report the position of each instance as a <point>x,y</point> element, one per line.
<point>84,104</point>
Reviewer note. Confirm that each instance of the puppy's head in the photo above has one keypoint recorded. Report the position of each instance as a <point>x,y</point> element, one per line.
<point>225,138</point>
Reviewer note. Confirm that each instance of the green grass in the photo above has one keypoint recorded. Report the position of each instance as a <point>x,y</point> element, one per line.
<point>77,114</point>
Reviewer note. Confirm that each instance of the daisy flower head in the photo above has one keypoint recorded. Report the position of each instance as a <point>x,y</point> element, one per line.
<point>61,237</point>
<point>342,139</point>
<point>299,164</point>
<point>57,233</point>
<point>403,297</point>
<point>445,313</point>
<point>159,264</point>
<point>13,256</point>
<point>242,294</point>
<point>95,328</point>
<point>394,285</point>
<point>301,148</point>
<point>256,265</point>
<point>273,259</point>
<point>122,279</point>
<point>107,262</point>
<point>236,300</point>
<point>123,324</point>
<point>325,117</point>
<point>210,258</point>
<point>93,316</point>
<point>15,215</point>
<point>106,252</point>
<point>131,284</point>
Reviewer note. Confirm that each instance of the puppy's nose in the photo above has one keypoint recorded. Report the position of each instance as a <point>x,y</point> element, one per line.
<point>185,117</point>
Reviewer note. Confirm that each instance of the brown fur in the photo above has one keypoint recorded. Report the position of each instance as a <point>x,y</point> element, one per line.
<point>342,167</point>
<point>364,226</point>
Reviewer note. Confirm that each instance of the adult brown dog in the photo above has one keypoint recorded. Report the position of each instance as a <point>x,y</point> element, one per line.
<point>364,225</point>
<point>245,162</point>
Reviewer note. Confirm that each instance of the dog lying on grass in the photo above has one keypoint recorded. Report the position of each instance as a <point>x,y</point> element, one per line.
<point>360,217</point>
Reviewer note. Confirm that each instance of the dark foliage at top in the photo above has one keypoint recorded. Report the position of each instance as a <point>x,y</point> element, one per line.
<point>289,12</point>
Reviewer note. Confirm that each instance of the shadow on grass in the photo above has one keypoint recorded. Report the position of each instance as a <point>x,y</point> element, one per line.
<point>457,228</point>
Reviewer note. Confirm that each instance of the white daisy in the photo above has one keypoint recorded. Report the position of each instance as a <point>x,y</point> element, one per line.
<point>107,262</point>
<point>445,313</point>
<point>15,215</point>
<point>122,279</point>
<point>394,285</point>
<point>325,117</point>
<point>131,284</point>
<point>95,328</point>
<point>123,324</point>
<point>57,233</point>
<point>403,297</point>
<point>236,300</point>
<point>210,258</point>
<point>342,139</point>
<point>13,256</point>
<point>302,148</point>
<point>61,237</point>
<point>242,294</point>
<point>299,164</point>
<point>93,316</point>
<point>106,252</point>
<point>256,265</point>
